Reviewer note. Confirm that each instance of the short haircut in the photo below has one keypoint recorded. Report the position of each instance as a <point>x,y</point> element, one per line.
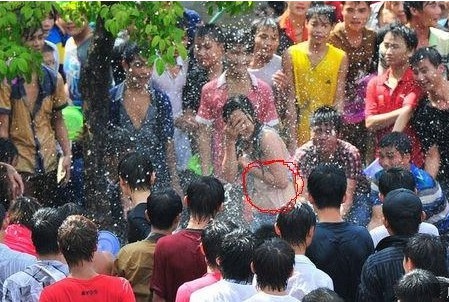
<point>429,53</point>
<point>77,239</point>
<point>44,230</point>
<point>322,294</point>
<point>128,50</point>
<point>418,5</point>
<point>236,254</point>
<point>212,237</point>
<point>418,286</point>
<point>295,224</point>
<point>136,170</point>
<point>327,185</point>
<point>235,37</point>
<point>47,48</point>
<point>22,210</point>
<point>326,115</point>
<point>205,197</point>
<point>396,178</point>
<point>263,22</point>
<point>320,11</point>
<point>264,232</point>
<point>210,30</point>
<point>427,252</point>
<point>400,141</point>
<point>8,151</point>
<point>70,208</point>
<point>163,207</point>
<point>273,264</point>
<point>404,32</point>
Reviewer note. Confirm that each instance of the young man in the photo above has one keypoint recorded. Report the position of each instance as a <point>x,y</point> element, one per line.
<point>297,228</point>
<point>338,248</point>
<point>77,239</point>
<point>402,211</point>
<point>28,284</point>
<point>272,264</point>
<point>135,260</point>
<point>316,69</point>
<point>204,200</point>
<point>234,259</point>
<point>432,115</point>
<point>392,97</point>
<point>421,16</point>
<point>418,285</point>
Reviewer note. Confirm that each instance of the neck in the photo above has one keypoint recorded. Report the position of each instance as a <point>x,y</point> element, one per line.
<point>236,76</point>
<point>155,230</point>
<point>215,70</point>
<point>136,87</point>
<point>352,33</point>
<point>329,215</point>
<point>56,256</point>
<point>82,36</point>
<point>85,270</point>
<point>298,22</point>
<point>259,61</point>
<point>300,249</point>
<point>398,72</point>
<point>422,32</point>
<point>270,291</point>
<point>439,93</point>
<point>198,224</point>
<point>139,196</point>
<point>317,47</point>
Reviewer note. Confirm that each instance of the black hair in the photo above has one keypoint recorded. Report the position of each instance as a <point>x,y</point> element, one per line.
<point>2,214</point>
<point>70,208</point>
<point>327,185</point>
<point>136,170</point>
<point>44,230</point>
<point>22,210</point>
<point>408,5</point>
<point>205,197</point>
<point>273,263</point>
<point>295,224</point>
<point>322,294</point>
<point>236,254</point>
<point>8,151</point>
<point>418,286</point>
<point>163,207</point>
<point>129,51</point>
<point>264,232</point>
<point>320,11</point>
<point>430,53</point>
<point>262,22</point>
<point>210,30</point>
<point>326,115</point>
<point>396,178</point>
<point>212,237</point>
<point>238,37</point>
<point>406,33</point>
<point>47,48</point>
<point>28,32</point>
<point>399,140</point>
<point>427,252</point>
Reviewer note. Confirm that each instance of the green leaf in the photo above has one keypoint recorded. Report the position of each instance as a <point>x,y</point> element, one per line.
<point>3,69</point>
<point>155,41</point>
<point>160,66</point>
<point>22,65</point>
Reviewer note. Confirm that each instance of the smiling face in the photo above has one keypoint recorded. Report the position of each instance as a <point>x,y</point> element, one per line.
<point>390,157</point>
<point>298,9</point>
<point>266,42</point>
<point>138,71</point>
<point>428,76</point>
<point>355,15</point>
<point>319,29</point>
<point>35,40</point>
<point>430,14</point>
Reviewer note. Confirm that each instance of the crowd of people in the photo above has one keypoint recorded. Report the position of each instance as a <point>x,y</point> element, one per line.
<point>303,159</point>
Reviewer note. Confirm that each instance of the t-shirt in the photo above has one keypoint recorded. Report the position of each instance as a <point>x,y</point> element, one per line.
<point>186,290</point>
<point>18,238</point>
<point>100,288</point>
<point>138,225</point>
<point>268,70</point>
<point>263,297</point>
<point>380,232</point>
<point>177,259</point>
<point>224,291</point>
<point>340,249</point>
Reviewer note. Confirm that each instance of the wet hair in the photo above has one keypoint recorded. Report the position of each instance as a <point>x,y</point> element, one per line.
<point>427,252</point>
<point>235,37</point>
<point>44,230</point>
<point>295,224</point>
<point>212,237</point>
<point>8,151</point>
<point>321,11</point>
<point>210,30</point>
<point>273,264</point>
<point>396,178</point>
<point>327,185</point>
<point>326,115</point>
<point>77,239</point>
<point>429,53</point>
<point>399,140</point>
<point>28,32</point>
<point>404,32</point>
<point>263,22</point>
<point>322,294</point>
<point>264,232</point>
<point>22,210</point>
<point>236,254</point>
<point>418,286</point>
<point>70,208</point>
<point>136,170</point>
<point>408,5</point>
<point>163,207</point>
<point>129,51</point>
<point>47,48</point>
<point>205,197</point>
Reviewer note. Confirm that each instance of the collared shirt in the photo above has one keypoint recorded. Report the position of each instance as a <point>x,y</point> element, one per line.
<point>28,284</point>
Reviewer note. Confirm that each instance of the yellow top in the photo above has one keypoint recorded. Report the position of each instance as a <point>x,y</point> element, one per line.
<point>315,86</point>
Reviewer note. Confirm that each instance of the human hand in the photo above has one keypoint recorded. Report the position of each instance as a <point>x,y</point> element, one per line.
<point>280,80</point>
<point>14,181</point>
<point>65,168</point>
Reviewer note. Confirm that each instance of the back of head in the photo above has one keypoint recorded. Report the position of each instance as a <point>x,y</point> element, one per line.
<point>70,208</point>
<point>429,53</point>
<point>322,294</point>
<point>406,33</point>
<point>322,11</point>
<point>136,170</point>
<point>327,186</point>
<point>163,207</point>
<point>205,197</point>
<point>8,151</point>
<point>326,115</point>
<point>273,264</point>
<point>239,102</point>
<point>264,232</point>
<point>44,230</point>
<point>427,252</point>
<point>77,239</point>
<point>294,225</point>
<point>22,210</point>
<point>396,178</point>
<point>236,254</point>
<point>236,37</point>
<point>418,286</point>
<point>212,237</point>
<point>402,209</point>
<point>210,30</point>
<point>398,140</point>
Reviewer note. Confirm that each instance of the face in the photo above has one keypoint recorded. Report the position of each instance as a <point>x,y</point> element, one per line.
<point>35,41</point>
<point>207,51</point>
<point>319,29</point>
<point>138,70</point>
<point>266,42</point>
<point>49,59</point>
<point>237,59</point>
<point>396,52</point>
<point>47,24</point>
<point>427,75</point>
<point>246,129</point>
<point>397,8</point>
<point>324,137</point>
<point>355,15</point>
<point>73,30</point>
<point>430,14</point>
<point>389,157</point>
<point>298,9</point>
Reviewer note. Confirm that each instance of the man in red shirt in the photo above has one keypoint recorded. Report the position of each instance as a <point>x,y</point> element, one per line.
<point>392,97</point>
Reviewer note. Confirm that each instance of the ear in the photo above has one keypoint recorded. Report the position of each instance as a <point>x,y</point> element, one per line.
<point>381,197</point>
<point>218,261</point>
<point>277,230</point>
<point>345,198</point>
<point>202,249</point>
<point>176,221</point>
<point>147,217</point>
<point>185,201</point>
<point>441,68</point>
<point>310,198</point>
<point>124,65</point>
<point>385,222</point>
<point>408,265</point>
<point>153,178</point>
<point>423,216</point>
<point>311,232</point>
<point>252,267</point>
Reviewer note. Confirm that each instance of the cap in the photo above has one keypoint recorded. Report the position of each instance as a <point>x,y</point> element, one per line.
<point>402,203</point>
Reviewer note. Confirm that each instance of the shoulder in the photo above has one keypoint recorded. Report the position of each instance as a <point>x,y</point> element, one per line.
<point>336,51</point>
